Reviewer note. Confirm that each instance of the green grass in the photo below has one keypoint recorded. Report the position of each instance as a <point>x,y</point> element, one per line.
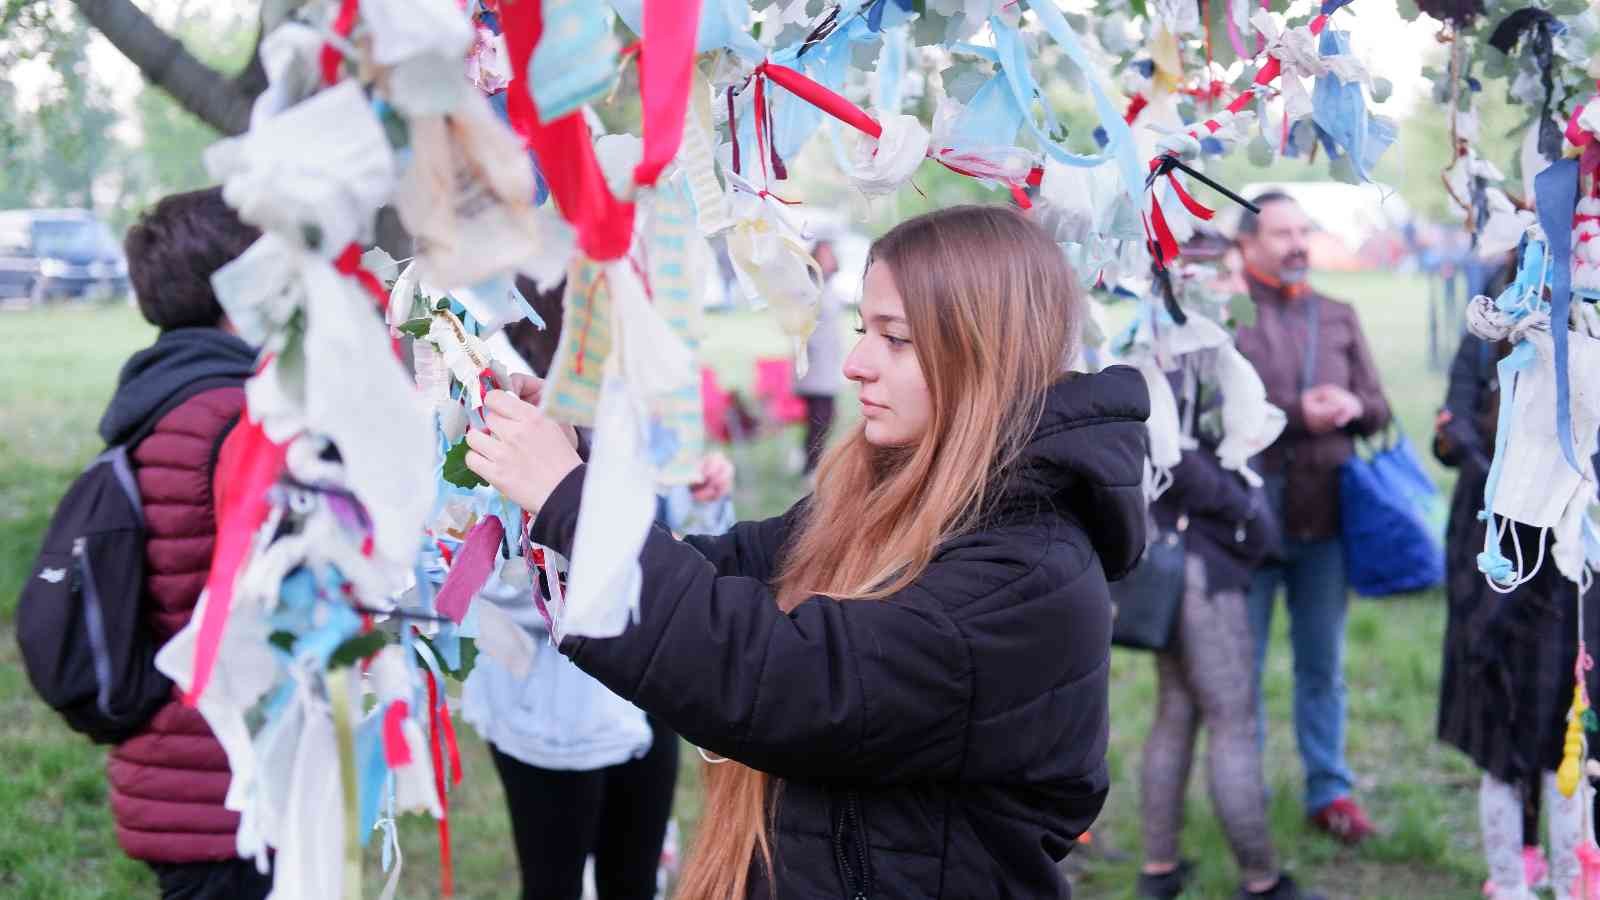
<point>62,364</point>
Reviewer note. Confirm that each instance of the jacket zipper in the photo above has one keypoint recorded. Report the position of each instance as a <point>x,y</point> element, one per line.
<point>858,880</point>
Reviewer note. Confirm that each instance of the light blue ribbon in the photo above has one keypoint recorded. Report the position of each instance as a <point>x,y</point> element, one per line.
<point>1491,561</point>
<point>1119,135</point>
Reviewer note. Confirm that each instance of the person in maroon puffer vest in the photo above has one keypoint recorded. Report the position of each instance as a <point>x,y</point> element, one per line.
<point>168,782</point>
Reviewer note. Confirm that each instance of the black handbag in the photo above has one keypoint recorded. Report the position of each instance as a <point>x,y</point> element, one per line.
<point>1145,602</point>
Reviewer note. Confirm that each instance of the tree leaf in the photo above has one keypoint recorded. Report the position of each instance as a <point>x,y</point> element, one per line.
<point>469,658</point>
<point>357,648</point>
<point>417,328</point>
<point>455,468</point>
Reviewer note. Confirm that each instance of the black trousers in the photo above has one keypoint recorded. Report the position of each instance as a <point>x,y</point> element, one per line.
<point>233,879</point>
<point>819,420</point>
<point>617,813</point>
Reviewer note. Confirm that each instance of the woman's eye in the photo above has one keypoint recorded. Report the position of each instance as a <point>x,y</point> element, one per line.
<point>896,341</point>
<point>861,330</point>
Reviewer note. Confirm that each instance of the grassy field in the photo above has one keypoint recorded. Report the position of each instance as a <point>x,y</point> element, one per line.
<point>62,364</point>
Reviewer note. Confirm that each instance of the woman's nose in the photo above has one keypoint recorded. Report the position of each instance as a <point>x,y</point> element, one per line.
<point>856,367</point>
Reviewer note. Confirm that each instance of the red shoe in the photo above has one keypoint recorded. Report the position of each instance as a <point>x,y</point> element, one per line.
<point>1345,820</point>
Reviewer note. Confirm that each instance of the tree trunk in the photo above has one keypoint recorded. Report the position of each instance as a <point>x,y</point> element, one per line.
<point>211,96</point>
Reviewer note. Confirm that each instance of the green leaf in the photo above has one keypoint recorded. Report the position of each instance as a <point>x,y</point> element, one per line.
<point>418,327</point>
<point>1137,7</point>
<point>356,649</point>
<point>469,658</point>
<point>283,640</point>
<point>455,468</point>
<point>1590,722</point>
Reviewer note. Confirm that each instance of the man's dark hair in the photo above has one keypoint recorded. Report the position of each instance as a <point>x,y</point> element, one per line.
<point>1247,221</point>
<point>172,252</point>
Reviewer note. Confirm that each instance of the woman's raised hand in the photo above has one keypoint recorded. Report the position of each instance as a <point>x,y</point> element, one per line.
<point>523,454</point>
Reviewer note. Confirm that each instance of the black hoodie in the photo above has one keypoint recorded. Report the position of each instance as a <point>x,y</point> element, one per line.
<point>181,363</point>
<point>948,741</point>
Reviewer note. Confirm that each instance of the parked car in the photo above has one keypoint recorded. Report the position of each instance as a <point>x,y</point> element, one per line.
<point>52,253</point>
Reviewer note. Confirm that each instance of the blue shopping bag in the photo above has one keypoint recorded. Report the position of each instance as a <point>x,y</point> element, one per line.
<point>1384,498</point>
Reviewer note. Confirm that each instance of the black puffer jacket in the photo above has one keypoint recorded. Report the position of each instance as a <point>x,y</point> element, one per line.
<point>948,741</point>
<point>1231,526</point>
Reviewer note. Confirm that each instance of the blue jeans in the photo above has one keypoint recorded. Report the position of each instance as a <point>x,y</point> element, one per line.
<point>1318,601</point>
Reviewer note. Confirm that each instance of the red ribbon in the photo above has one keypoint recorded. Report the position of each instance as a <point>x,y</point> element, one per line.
<point>822,97</point>
<point>249,470</point>
<point>665,76</point>
<point>446,880</point>
<point>1156,227</point>
<point>835,104</point>
<point>733,131</point>
<point>1135,106</point>
<point>396,752</point>
<point>349,263</point>
<point>1163,242</point>
<point>563,146</point>
<point>343,24</point>
<point>1575,134</point>
<point>761,131</point>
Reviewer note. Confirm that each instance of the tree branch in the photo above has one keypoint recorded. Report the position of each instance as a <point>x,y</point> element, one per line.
<point>209,95</point>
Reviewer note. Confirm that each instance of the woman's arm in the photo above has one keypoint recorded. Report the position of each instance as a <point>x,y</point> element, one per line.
<point>877,688</point>
<point>749,549</point>
<point>1456,440</point>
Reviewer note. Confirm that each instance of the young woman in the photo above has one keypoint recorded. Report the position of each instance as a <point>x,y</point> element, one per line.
<point>904,678</point>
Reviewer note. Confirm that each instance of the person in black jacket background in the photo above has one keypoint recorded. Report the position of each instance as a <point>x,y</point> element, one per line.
<point>1507,675</point>
<point>906,675</point>
<point>1205,679</point>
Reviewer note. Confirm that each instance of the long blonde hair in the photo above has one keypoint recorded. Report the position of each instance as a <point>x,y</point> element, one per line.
<point>994,312</point>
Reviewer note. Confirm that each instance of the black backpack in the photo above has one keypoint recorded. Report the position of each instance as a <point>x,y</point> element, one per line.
<point>85,643</point>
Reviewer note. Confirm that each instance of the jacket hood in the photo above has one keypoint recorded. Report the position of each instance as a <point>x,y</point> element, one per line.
<point>1087,458</point>
<point>181,363</point>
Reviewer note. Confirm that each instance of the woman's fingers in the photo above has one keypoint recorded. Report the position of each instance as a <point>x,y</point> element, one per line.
<point>482,444</point>
<point>508,404</point>
<point>480,464</point>
<point>527,388</point>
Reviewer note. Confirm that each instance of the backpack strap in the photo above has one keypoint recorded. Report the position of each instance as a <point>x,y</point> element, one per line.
<point>117,458</point>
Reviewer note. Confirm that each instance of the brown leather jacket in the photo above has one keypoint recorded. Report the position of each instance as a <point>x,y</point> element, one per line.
<point>1309,463</point>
